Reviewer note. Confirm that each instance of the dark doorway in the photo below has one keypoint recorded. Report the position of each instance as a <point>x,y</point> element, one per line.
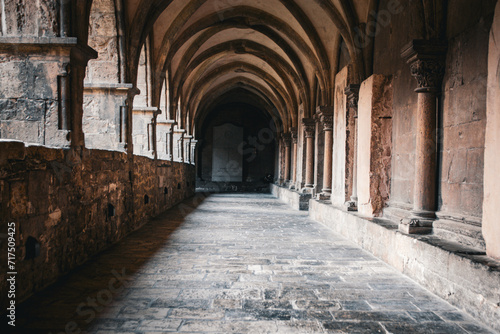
<point>237,151</point>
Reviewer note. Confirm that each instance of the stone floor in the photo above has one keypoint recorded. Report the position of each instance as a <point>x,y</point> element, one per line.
<point>238,264</point>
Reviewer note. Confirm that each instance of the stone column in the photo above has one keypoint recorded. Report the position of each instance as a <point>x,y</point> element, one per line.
<point>295,138</point>
<point>194,142</point>
<point>187,148</point>
<point>287,141</point>
<point>309,130</point>
<point>427,64</point>
<point>178,140</point>
<point>326,119</point>
<point>352,92</point>
<point>170,140</point>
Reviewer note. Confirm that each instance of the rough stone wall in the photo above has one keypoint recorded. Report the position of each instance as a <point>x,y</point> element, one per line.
<point>301,152</point>
<point>29,98</point>
<point>464,112</point>
<point>404,27</point>
<point>491,209</point>
<point>461,109</point>
<point>374,144</point>
<point>31,18</point>
<point>142,131</point>
<point>103,39</point>
<point>339,188</point>
<point>75,205</point>
<point>104,122</point>
<point>319,157</point>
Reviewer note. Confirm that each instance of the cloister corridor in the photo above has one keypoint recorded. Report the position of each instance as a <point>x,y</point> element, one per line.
<point>238,263</point>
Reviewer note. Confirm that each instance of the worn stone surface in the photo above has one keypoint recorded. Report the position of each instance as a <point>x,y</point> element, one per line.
<point>104,116</point>
<point>491,209</point>
<point>239,264</point>
<point>458,274</point>
<point>374,144</point>
<point>103,39</point>
<point>77,204</point>
<point>295,199</point>
<point>340,188</point>
<point>29,97</point>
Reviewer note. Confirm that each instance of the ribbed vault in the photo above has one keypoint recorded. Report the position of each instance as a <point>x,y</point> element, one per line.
<point>283,52</point>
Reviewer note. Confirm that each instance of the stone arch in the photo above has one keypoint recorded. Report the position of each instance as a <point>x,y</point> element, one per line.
<point>273,83</point>
<point>491,210</point>
<point>202,103</point>
<point>252,48</point>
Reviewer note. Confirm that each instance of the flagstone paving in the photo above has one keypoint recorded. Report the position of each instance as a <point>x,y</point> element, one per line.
<point>238,264</point>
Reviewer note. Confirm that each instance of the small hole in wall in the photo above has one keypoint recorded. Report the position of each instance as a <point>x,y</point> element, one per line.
<point>165,190</point>
<point>178,186</point>
<point>111,210</point>
<point>146,199</point>
<point>32,248</point>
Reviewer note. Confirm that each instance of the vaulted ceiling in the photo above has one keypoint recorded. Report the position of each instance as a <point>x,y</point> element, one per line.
<point>282,53</point>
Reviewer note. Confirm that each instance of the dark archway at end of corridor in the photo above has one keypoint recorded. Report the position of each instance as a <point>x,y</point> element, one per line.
<point>237,149</point>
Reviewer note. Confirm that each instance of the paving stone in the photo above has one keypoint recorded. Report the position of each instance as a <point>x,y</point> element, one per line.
<point>242,264</point>
<point>424,328</point>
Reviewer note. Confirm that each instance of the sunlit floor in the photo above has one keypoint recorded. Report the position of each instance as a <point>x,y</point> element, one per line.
<point>238,264</point>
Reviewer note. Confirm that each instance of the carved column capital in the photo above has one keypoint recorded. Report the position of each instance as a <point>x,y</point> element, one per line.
<point>427,63</point>
<point>287,139</point>
<point>309,127</point>
<point>324,115</point>
<point>295,135</point>
<point>352,93</point>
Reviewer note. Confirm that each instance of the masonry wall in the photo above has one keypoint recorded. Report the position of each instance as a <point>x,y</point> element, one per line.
<point>77,204</point>
<point>29,98</point>
<point>462,120</point>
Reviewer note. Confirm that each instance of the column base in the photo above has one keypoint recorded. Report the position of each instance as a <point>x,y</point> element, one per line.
<point>351,206</point>
<point>307,190</point>
<point>324,196</point>
<point>416,225</point>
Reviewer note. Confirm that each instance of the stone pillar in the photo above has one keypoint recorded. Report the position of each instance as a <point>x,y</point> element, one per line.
<point>427,64</point>
<point>295,138</point>
<point>287,141</point>
<point>187,149</point>
<point>309,130</point>
<point>178,139</point>
<point>326,119</point>
<point>42,86</point>
<point>352,92</point>
<point>193,151</point>
<point>170,140</point>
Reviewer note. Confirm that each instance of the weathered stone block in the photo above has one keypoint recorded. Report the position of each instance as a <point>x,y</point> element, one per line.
<point>374,144</point>
<point>13,77</point>
<point>30,132</point>
<point>341,145</point>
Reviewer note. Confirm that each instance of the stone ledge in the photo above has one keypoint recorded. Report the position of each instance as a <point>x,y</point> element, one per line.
<point>460,275</point>
<point>296,200</point>
<point>53,41</point>
<point>108,86</point>
<point>145,109</point>
<point>41,44</point>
